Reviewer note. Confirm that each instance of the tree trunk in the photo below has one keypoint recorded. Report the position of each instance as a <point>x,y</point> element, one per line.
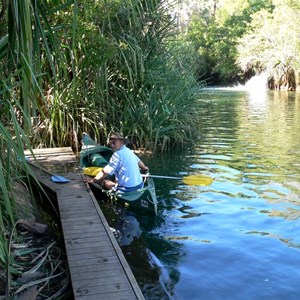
<point>297,81</point>
<point>284,79</point>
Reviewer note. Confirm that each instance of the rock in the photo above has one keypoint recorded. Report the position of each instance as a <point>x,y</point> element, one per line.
<point>33,227</point>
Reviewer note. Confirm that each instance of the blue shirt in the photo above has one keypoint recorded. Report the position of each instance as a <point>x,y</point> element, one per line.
<point>124,165</point>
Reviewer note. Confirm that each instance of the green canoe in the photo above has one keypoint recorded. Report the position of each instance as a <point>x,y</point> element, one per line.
<point>95,155</point>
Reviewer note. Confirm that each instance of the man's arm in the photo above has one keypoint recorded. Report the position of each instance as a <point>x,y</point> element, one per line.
<point>100,176</point>
<point>142,166</point>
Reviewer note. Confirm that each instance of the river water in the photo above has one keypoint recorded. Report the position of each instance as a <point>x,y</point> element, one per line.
<point>239,237</point>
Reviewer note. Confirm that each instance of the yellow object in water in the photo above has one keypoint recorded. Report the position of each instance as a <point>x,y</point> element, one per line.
<point>202,180</point>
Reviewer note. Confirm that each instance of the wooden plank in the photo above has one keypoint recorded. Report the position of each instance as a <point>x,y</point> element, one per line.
<point>73,246</point>
<point>108,296</point>
<point>101,281</point>
<point>99,267</point>
<point>92,249</point>
<point>92,255</point>
<point>77,205</point>
<point>77,214</point>
<point>76,276</point>
<point>87,220</point>
<point>107,259</point>
<point>76,218</point>
<point>98,240</point>
<point>119,287</point>
<point>90,231</point>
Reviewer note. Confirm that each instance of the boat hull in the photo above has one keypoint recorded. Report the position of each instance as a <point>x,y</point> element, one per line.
<point>144,198</point>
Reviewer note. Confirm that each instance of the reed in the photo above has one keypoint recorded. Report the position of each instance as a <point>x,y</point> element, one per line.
<point>12,142</point>
<point>21,95</point>
<point>116,71</point>
<point>143,87</point>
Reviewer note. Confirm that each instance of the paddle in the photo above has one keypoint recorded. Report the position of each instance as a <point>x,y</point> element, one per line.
<point>202,180</point>
<point>199,179</point>
<point>59,179</point>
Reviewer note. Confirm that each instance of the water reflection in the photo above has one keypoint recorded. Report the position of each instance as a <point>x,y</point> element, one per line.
<point>237,238</point>
<point>289,214</point>
<point>132,231</point>
<point>288,242</point>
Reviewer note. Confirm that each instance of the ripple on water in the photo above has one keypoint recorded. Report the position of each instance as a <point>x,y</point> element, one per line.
<point>239,237</point>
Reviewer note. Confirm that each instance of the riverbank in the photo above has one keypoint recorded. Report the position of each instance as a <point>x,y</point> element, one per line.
<point>38,265</point>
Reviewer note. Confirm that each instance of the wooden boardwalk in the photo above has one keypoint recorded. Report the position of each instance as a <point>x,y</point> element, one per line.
<point>97,266</point>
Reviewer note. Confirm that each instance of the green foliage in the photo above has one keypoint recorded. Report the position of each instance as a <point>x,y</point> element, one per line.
<point>128,46</point>
<point>160,109</point>
<point>272,44</point>
<point>245,37</point>
<point>12,142</point>
<point>216,38</point>
<point>20,93</point>
<point>86,63</point>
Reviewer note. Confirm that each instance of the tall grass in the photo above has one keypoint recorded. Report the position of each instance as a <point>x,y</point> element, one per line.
<point>141,86</point>
<point>21,103</point>
<point>114,71</point>
<point>157,111</point>
<point>12,142</point>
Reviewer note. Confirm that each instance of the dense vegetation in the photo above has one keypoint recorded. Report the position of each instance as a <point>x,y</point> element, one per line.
<point>97,66</point>
<point>235,40</point>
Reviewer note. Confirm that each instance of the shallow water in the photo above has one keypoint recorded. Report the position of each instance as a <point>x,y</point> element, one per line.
<point>239,237</point>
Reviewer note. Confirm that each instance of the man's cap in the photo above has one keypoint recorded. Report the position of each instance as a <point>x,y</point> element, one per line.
<point>116,136</point>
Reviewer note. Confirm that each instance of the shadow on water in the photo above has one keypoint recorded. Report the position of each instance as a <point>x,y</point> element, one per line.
<point>133,233</point>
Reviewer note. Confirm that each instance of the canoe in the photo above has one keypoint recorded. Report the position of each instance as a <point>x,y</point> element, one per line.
<point>94,155</point>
